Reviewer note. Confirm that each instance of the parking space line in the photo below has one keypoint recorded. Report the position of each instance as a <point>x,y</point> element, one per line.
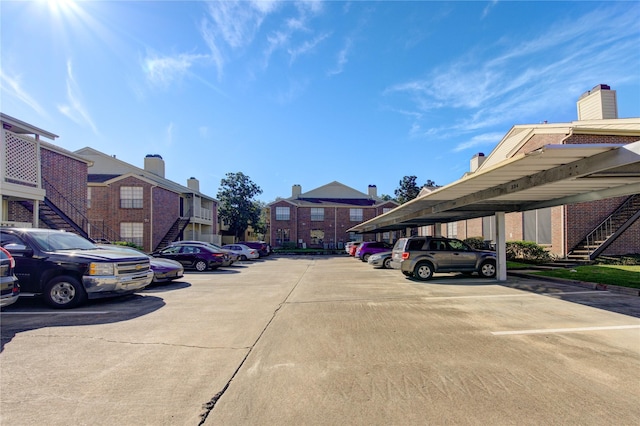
<point>492,296</point>
<point>564,330</point>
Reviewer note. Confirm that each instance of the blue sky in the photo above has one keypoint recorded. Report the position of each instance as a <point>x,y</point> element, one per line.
<point>306,93</point>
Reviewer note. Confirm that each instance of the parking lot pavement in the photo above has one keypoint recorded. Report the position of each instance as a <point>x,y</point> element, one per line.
<point>326,340</point>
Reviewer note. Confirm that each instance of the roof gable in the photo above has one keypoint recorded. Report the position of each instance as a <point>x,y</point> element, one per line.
<point>106,165</point>
<point>333,191</point>
<point>520,134</point>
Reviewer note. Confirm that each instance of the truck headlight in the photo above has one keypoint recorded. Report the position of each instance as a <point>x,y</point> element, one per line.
<point>101,268</point>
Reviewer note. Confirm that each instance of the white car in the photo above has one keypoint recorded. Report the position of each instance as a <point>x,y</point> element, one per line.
<point>243,252</point>
<point>380,260</point>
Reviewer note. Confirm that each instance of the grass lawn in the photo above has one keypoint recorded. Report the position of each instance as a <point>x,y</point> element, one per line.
<point>517,265</point>
<point>622,275</point>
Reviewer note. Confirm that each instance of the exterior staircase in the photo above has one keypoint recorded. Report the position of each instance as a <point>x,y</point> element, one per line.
<point>53,217</point>
<point>174,232</point>
<point>606,233</point>
<point>57,212</point>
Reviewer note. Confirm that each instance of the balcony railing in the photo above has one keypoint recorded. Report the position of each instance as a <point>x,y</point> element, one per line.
<point>21,160</point>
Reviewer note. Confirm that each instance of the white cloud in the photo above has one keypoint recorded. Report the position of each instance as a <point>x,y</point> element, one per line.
<point>13,87</point>
<point>342,58</point>
<point>162,71</point>
<point>486,139</point>
<point>306,47</point>
<point>532,78</point>
<point>75,108</point>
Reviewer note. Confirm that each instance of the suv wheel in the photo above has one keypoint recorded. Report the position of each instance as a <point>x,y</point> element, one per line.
<point>201,265</point>
<point>488,269</point>
<point>64,292</point>
<point>423,271</point>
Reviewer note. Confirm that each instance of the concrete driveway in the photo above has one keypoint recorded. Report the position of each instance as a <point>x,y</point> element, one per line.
<point>325,341</point>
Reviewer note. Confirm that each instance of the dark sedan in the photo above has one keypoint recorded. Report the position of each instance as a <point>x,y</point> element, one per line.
<point>195,257</point>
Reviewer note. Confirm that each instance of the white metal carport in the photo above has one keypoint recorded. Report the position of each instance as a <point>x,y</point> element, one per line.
<point>549,176</point>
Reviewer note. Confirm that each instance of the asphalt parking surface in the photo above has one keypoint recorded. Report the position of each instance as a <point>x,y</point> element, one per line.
<point>325,341</point>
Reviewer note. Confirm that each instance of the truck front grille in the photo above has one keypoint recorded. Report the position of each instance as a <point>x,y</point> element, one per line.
<point>124,268</point>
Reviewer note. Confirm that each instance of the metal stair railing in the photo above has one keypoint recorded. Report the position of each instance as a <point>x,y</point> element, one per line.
<point>608,230</point>
<point>75,217</point>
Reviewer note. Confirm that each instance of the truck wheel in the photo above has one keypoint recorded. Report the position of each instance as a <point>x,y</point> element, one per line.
<point>488,269</point>
<point>64,292</point>
<point>201,265</point>
<point>423,271</point>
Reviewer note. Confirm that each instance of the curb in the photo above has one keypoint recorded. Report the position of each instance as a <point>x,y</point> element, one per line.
<point>628,291</point>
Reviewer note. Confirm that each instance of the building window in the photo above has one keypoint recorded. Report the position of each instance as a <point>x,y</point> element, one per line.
<point>131,197</point>
<point>132,232</point>
<point>317,214</point>
<point>537,226</point>
<point>282,236</point>
<point>452,229</point>
<point>283,213</point>
<point>386,209</point>
<point>317,236</point>
<point>355,215</point>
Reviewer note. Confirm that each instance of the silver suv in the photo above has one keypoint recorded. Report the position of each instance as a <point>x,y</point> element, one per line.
<point>421,257</point>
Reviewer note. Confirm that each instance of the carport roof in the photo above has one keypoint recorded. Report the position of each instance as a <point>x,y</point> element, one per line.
<point>549,176</point>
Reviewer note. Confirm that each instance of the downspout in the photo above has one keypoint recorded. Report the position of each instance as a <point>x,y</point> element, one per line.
<point>151,246</point>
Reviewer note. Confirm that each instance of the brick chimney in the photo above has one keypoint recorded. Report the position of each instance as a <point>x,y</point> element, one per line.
<point>373,191</point>
<point>154,163</point>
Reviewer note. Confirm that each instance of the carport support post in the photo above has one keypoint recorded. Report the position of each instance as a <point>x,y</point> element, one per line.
<point>501,248</point>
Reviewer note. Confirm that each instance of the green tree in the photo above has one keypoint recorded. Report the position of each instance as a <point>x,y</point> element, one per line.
<point>408,189</point>
<point>237,206</point>
<point>261,226</point>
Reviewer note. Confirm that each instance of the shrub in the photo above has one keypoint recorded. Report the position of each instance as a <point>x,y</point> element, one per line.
<point>527,251</point>
<point>476,242</point>
<point>127,244</point>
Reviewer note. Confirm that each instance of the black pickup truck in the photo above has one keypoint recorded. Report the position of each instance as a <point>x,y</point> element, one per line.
<point>67,269</point>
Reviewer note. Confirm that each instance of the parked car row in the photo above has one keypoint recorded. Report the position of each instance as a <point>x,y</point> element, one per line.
<point>203,256</point>
<point>421,257</point>
<point>66,269</point>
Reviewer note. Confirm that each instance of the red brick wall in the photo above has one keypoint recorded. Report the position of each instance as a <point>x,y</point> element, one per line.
<point>67,176</point>
<point>105,208</point>
<point>283,224</point>
<point>580,219</point>
<point>166,210</point>
<point>336,222</point>
<point>584,217</point>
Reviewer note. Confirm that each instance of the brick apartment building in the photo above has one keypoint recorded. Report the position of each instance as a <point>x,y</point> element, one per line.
<point>142,206</point>
<point>575,230</point>
<point>43,185</point>
<point>320,218</point>
<point>96,195</point>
